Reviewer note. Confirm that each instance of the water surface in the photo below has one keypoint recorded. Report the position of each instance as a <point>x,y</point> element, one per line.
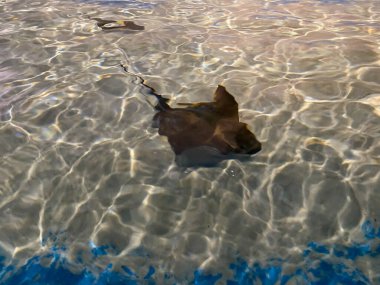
<point>85,176</point>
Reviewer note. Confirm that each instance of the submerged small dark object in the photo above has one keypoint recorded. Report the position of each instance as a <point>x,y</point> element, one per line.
<point>204,134</point>
<point>117,24</point>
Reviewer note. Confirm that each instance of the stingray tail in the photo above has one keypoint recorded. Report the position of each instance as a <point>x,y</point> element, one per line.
<point>162,102</point>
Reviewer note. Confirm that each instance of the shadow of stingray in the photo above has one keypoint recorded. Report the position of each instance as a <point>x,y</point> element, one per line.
<point>120,24</point>
<point>204,134</point>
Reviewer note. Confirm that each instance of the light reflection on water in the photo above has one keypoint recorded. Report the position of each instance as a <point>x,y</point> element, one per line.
<point>80,162</point>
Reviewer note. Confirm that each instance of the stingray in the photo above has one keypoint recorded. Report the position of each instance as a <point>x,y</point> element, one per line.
<point>205,133</point>
<point>117,24</point>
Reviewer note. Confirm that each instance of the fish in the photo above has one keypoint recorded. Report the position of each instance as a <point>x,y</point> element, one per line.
<point>205,133</point>
<point>117,24</point>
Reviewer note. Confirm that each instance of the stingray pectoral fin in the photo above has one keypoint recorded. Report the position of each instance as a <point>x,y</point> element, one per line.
<point>246,140</point>
<point>225,103</point>
<point>222,95</point>
<point>156,121</point>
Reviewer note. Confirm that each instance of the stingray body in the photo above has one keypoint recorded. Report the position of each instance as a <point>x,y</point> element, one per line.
<point>204,134</point>
<point>117,25</point>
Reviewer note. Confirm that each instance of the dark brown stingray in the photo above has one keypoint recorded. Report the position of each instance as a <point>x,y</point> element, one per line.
<point>120,24</point>
<point>205,133</point>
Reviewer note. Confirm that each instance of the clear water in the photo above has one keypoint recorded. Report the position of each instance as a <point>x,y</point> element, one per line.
<point>90,193</point>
